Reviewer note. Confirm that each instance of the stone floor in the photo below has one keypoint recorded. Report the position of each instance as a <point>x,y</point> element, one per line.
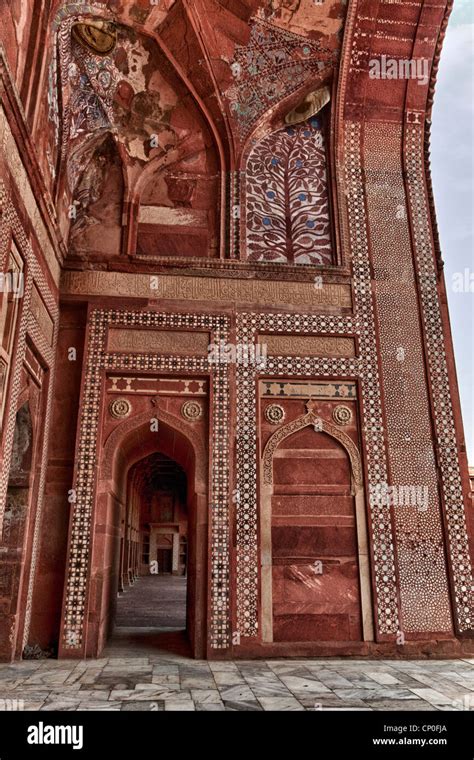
<point>146,666</point>
<point>169,681</point>
<point>153,601</point>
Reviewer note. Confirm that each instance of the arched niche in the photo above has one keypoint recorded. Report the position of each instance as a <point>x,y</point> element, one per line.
<point>17,519</point>
<point>133,440</point>
<point>286,214</point>
<point>96,176</point>
<point>138,92</point>
<point>18,490</point>
<point>178,213</point>
<point>340,445</point>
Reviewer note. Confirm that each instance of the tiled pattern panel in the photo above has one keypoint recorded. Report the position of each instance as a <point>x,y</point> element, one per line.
<point>97,361</point>
<point>273,64</point>
<point>440,383</point>
<point>380,526</point>
<point>164,681</point>
<point>419,533</point>
<point>247,463</point>
<point>61,74</point>
<point>10,224</point>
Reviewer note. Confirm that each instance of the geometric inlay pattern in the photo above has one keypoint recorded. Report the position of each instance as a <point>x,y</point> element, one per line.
<point>98,362</point>
<point>365,368</point>
<point>273,64</point>
<point>443,413</point>
<point>10,223</point>
<point>249,325</point>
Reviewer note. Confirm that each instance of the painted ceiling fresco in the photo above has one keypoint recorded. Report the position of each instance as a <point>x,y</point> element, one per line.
<point>150,105</point>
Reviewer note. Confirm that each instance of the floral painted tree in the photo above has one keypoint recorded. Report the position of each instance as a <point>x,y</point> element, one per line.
<point>287,210</point>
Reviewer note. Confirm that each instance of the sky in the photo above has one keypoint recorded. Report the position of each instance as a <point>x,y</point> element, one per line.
<point>452,170</point>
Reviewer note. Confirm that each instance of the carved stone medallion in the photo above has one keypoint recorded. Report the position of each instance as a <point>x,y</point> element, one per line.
<point>120,408</point>
<point>274,413</point>
<point>191,411</point>
<point>342,415</point>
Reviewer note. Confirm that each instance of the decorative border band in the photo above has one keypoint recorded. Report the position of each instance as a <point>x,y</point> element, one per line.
<point>99,360</point>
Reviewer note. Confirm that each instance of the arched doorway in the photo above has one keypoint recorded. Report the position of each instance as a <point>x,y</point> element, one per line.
<point>147,475</point>
<point>14,535</point>
<point>153,575</point>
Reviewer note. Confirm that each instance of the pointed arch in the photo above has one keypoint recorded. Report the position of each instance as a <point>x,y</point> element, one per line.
<point>130,442</point>
<point>93,102</point>
<point>132,438</point>
<point>266,493</point>
<point>324,426</point>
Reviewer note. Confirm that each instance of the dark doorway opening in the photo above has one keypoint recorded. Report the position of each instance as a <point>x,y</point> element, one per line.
<point>164,559</point>
<point>152,600</point>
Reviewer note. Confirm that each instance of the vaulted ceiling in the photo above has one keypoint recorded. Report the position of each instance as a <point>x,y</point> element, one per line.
<point>153,103</point>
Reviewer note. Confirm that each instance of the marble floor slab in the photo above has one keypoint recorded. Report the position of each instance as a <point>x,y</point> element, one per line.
<point>172,681</point>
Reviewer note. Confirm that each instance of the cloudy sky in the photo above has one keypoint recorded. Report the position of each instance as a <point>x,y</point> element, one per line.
<point>452,164</point>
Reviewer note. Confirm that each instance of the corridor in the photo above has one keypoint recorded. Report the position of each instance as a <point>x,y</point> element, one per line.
<point>154,601</point>
<point>151,617</point>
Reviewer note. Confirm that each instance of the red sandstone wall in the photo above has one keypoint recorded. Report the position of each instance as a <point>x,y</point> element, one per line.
<point>202,86</point>
<point>28,237</point>
<point>314,544</point>
<point>49,582</point>
<point>18,20</point>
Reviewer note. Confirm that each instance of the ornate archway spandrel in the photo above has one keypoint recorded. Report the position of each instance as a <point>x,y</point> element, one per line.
<point>321,426</point>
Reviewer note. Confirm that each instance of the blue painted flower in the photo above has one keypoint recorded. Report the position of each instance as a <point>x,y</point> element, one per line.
<point>315,123</point>
<point>275,161</point>
<point>270,194</point>
<point>299,163</point>
<point>310,224</point>
<point>290,131</point>
<point>307,133</point>
<point>302,196</point>
<point>267,221</point>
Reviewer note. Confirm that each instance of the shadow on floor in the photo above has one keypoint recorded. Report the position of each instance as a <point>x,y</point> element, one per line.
<point>146,641</point>
<point>154,601</point>
<point>151,619</point>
